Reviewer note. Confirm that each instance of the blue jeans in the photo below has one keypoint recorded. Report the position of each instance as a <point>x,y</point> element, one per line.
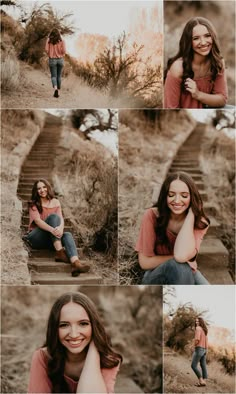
<point>56,66</point>
<point>173,273</point>
<point>199,355</point>
<point>41,239</point>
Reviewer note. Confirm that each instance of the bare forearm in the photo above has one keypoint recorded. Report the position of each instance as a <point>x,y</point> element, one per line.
<point>91,368</point>
<point>148,263</point>
<point>184,248</point>
<point>213,100</point>
<point>43,225</point>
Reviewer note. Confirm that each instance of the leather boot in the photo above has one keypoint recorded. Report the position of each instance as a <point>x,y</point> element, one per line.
<point>61,256</point>
<point>77,267</point>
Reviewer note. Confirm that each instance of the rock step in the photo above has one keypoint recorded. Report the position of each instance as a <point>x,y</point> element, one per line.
<point>34,165</point>
<point>126,385</point>
<point>217,278</point>
<point>48,266</point>
<point>49,254</point>
<point>191,170</point>
<point>31,179</point>
<point>196,177</point>
<point>213,255</point>
<point>62,278</point>
<point>214,228</point>
<point>210,209</point>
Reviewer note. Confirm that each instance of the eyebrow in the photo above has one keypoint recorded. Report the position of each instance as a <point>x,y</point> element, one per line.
<point>171,191</point>
<point>67,321</point>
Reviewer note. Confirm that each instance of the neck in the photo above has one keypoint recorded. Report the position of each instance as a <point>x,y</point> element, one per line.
<point>75,358</point>
<point>177,218</point>
<point>44,200</point>
<point>199,60</point>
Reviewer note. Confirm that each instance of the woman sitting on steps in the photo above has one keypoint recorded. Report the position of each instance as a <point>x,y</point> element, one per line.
<point>46,227</point>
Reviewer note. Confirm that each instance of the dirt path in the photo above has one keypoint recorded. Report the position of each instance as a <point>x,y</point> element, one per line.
<point>213,257</point>
<point>179,377</point>
<point>35,91</point>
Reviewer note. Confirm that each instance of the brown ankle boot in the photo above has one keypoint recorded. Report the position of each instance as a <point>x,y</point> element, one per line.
<point>77,267</point>
<point>61,256</point>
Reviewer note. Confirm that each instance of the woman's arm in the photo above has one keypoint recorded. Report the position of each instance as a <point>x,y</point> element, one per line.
<point>185,248</point>
<point>91,379</point>
<point>213,100</point>
<point>47,46</point>
<point>39,381</point>
<point>172,87</point>
<point>148,263</point>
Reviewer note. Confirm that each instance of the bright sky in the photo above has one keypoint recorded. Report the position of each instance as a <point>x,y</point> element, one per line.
<point>109,18</point>
<point>219,300</point>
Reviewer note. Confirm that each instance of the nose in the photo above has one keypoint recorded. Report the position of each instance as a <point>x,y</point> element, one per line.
<point>202,40</point>
<point>177,198</point>
<point>74,331</point>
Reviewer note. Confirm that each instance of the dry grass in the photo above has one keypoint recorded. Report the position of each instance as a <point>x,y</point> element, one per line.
<point>88,176</point>
<point>10,73</point>
<point>218,166</point>
<point>145,153</point>
<point>18,128</point>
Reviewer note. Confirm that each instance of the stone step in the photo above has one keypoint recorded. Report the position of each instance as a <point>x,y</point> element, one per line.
<point>196,177</point>
<point>41,254</point>
<point>214,228</point>
<point>190,170</point>
<point>213,255</point>
<point>216,277</point>
<point>187,162</point>
<point>210,209</point>
<point>63,278</point>
<point>33,165</point>
<point>185,165</point>
<point>126,385</point>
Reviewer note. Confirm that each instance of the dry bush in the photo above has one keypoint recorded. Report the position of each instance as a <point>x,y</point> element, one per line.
<point>218,166</point>
<point>10,73</point>
<point>147,145</point>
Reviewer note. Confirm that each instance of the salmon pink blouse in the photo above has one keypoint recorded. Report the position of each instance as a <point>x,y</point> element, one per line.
<point>55,51</point>
<point>39,381</point>
<point>148,243</point>
<point>201,337</point>
<point>174,97</point>
<point>34,214</point>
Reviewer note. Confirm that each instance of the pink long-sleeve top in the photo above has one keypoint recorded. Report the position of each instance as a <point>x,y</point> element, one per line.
<point>39,381</point>
<point>55,51</point>
<point>34,214</point>
<point>174,97</point>
<point>148,243</point>
<point>201,337</point>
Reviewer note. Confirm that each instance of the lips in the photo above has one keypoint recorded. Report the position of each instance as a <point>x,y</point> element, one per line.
<point>75,342</point>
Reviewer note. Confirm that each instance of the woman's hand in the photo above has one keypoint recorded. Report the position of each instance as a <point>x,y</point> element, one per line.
<point>193,265</point>
<point>57,232</point>
<point>191,86</point>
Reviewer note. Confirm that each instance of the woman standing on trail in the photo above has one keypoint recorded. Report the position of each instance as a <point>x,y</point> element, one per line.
<point>56,49</point>
<point>195,76</point>
<point>46,227</point>
<point>200,350</point>
<point>77,356</point>
<point>171,233</point>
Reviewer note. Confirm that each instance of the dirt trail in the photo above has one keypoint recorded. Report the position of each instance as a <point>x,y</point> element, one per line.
<point>179,377</point>
<point>35,91</point>
<point>39,163</point>
<point>213,257</point>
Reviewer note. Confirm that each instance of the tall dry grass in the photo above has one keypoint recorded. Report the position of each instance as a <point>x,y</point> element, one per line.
<point>146,150</point>
<point>218,165</point>
<point>10,73</point>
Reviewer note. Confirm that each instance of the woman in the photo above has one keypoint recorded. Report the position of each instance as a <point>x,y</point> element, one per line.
<point>46,227</point>
<point>200,350</point>
<point>77,356</point>
<point>55,49</point>
<point>195,76</point>
<point>171,233</point>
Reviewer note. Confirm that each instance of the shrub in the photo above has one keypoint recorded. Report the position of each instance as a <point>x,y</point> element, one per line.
<point>10,73</point>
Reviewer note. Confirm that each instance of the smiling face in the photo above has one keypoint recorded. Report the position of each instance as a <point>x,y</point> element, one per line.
<point>75,329</point>
<point>42,189</point>
<point>197,322</point>
<point>201,40</point>
<point>178,198</point>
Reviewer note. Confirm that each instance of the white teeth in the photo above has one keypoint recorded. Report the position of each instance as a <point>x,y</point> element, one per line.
<point>75,342</point>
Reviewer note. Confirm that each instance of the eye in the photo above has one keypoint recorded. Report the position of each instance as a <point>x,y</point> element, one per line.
<point>184,195</point>
<point>63,325</point>
<point>171,194</point>
<point>84,323</point>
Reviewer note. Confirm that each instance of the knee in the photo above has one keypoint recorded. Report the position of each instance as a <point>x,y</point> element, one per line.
<point>53,219</point>
<point>67,235</point>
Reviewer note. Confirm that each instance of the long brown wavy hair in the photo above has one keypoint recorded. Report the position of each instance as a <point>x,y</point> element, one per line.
<point>57,352</point>
<point>202,324</point>
<point>35,198</point>
<point>186,51</point>
<point>54,36</point>
<point>164,211</point>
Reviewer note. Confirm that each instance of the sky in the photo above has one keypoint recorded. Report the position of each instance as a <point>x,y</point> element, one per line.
<point>219,300</point>
<point>109,18</point>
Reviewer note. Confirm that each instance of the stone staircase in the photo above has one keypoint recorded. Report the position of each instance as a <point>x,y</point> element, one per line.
<point>213,257</point>
<point>39,164</point>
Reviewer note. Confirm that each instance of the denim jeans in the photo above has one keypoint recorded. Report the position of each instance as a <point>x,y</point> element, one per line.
<point>56,66</point>
<point>41,239</point>
<point>199,355</point>
<point>173,273</point>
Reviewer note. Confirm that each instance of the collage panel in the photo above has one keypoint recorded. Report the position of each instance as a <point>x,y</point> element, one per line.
<point>61,322</point>
<point>199,339</point>
<point>59,196</point>
<point>176,187</point>
<point>82,54</point>
<point>199,54</point>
